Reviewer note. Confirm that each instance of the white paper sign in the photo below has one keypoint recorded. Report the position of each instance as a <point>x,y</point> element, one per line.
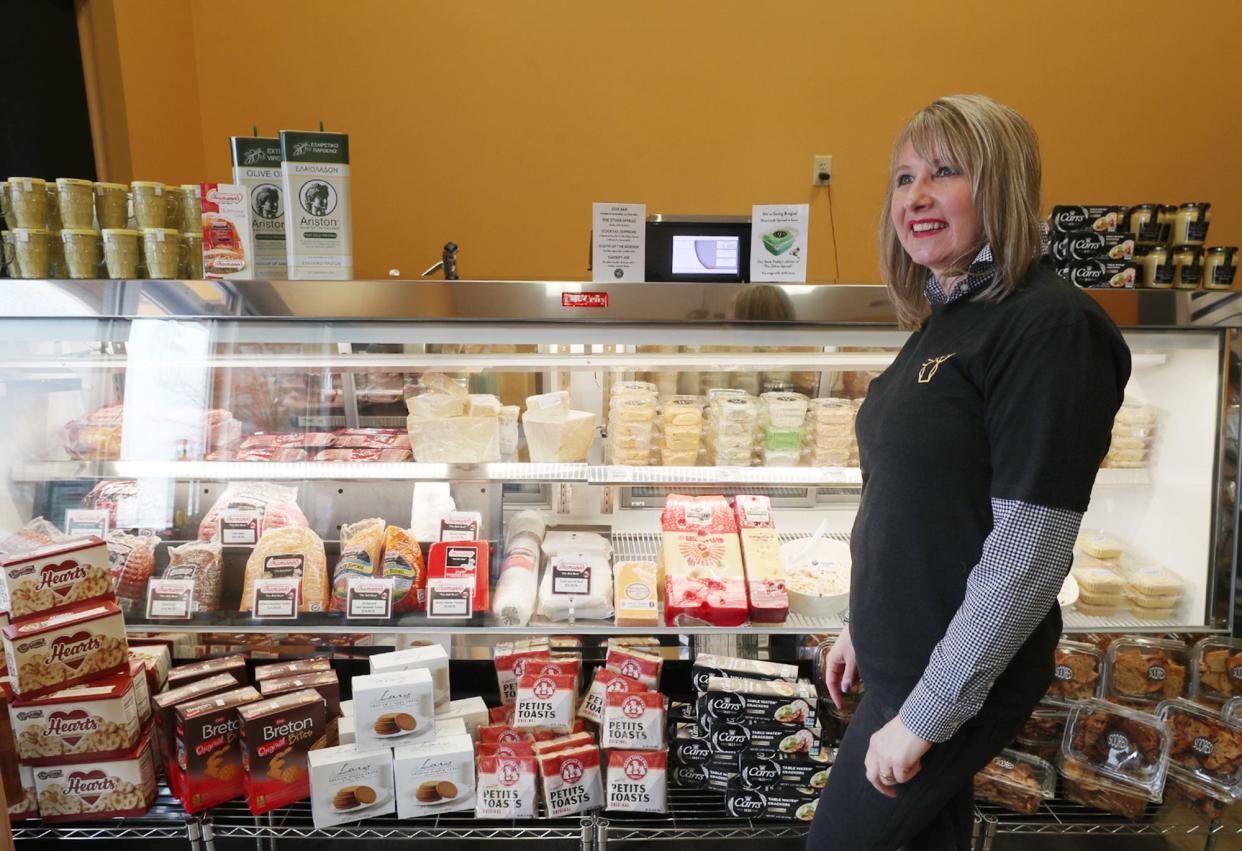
<point>170,599</point>
<point>618,242</point>
<point>86,521</point>
<point>778,235</point>
<point>276,599</point>
<point>449,598</point>
<point>369,598</point>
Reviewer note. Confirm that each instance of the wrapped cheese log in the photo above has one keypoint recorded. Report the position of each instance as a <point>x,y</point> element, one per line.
<point>513,602</point>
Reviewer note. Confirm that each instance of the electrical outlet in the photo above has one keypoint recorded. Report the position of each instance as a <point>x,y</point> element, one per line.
<point>821,166</point>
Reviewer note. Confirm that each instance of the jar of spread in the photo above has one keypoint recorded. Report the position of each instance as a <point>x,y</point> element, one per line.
<point>1187,266</point>
<point>1149,223</point>
<point>1191,225</point>
<point>1220,266</point>
<point>1157,266</point>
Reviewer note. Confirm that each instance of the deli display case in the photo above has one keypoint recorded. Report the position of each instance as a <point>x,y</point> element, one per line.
<point>187,422</point>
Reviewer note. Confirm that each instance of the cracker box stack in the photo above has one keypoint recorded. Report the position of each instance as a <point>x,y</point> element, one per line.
<point>84,743</point>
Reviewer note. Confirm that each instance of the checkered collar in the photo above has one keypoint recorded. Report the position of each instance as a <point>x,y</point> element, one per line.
<point>978,276</point>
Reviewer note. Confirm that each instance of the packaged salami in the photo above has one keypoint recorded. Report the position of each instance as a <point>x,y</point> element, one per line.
<point>132,561</point>
<point>402,561</point>
<point>202,562</point>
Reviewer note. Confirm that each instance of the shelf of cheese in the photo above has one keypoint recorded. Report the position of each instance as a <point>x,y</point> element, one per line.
<point>271,471</point>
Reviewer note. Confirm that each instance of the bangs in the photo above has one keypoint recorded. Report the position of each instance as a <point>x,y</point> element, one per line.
<point>933,135</point>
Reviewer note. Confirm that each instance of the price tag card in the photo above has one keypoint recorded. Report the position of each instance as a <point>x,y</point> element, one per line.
<point>447,598</point>
<point>276,599</point>
<point>570,577</point>
<point>369,598</point>
<point>240,527</point>
<point>170,599</point>
<point>80,522</point>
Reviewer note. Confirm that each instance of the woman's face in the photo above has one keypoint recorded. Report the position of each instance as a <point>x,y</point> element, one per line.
<point>934,213</point>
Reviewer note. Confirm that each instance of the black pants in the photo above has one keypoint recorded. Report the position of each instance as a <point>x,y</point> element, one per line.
<point>933,812</point>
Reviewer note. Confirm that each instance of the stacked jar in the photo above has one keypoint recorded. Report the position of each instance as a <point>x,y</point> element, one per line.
<point>631,423</point>
<point>731,424</point>
<point>1171,247</point>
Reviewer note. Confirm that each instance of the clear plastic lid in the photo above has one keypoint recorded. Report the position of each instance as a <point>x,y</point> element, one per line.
<point>1087,785</point>
<point>1020,772</point>
<point>1203,745</point>
<point>1098,543</point>
<point>1232,710</point>
<point>1131,413</point>
<point>633,388</point>
<point>1200,797</point>
<point>1078,672</point>
<point>1150,579</point>
<point>1216,669</point>
<point>1125,745</point>
<point>1146,670</point>
<point>1045,726</point>
<point>1097,580</point>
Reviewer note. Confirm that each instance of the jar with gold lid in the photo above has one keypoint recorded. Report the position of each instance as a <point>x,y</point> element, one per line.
<point>1149,223</point>
<point>1191,224</point>
<point>1220,267</point>
<point>1157,266</point>
<point>1187,266</point>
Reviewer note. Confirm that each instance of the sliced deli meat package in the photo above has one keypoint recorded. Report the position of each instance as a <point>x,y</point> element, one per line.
<point>132,561</point>
<point>571,781</point>
<point>93,790</point>
<point>549,701</point>
<point>65,648</point>
<point>361,543</point>
<point>635,721</point>
<point>96,720</point>
<point>271,506</point>
<point>402,561</point>
<point>506,787</point>
<point>637,781</point>
<point>294,553</point>
<point>55,577</point>
<point>202,562</point>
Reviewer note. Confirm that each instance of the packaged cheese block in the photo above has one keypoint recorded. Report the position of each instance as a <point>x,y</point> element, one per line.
<point>97,720</point>
<point>72,646</point>
<point>93,790</point>
<point>554,404</point>
<point>576,585</point>
<point>548,701</point>
<point>695,601</point>
<point>636,598</point>
<point>506,787</point>
<point>277,735</point>
<point>633,720</point>
<point>685,513</point>
<point>360,556</point>
<point>454,440</point>
<point>208,749</point>
<point>290,552</point>
<point>55,577</point>
<point>402,561</point>
<point>637,781</point>
<point>436,405</point>
<point>571,781</point>
<point>605,682</point>
<point>466,563</point>
<point>766,594</point>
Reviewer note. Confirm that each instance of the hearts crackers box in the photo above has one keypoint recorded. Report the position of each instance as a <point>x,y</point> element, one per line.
<point>98,789</point>
<point>65,648</point>
<point>156,661</point>
<point>142,691</point>
<point>208,751</point>
<point>276,736</point>
<point>94,721</point>
<point>55,577</point>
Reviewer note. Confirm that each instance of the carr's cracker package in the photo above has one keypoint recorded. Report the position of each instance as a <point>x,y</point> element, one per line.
<point>228,242</point>
<point>276,736</point>
<point>55,577</point>
<point>708,665</point>
<point>208,752</point>
<point>318,216</point>
<point>97,720</point>
<point>68,647</point>
<point>94,790</point>
<point>256,166</point>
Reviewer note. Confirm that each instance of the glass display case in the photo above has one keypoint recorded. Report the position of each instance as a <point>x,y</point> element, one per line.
<point>150,402</point>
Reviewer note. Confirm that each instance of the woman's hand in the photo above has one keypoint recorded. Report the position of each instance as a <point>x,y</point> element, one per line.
<point>894,756</point>
<point>841,668</point>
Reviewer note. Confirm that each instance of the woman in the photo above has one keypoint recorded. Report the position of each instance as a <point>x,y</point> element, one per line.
<point>979,448</point>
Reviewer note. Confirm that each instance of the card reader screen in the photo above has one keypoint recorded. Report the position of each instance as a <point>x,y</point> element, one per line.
<point>705,255</point>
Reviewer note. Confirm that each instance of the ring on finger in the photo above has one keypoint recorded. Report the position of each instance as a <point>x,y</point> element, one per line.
<point>887,778</point>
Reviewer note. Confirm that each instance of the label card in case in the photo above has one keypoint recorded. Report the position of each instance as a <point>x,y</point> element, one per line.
<point>447,598</point>
<point>170,599</point>
<point>571,578</point>
<point>80,522</point>
<point>276,599</point>
<point>240,527</point>
<point>369,598</point>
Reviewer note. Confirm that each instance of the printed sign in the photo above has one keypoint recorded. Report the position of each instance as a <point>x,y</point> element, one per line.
<point>240,527</point>
<point>170,599</point>
<point>369,598</point>
<point>447,598</point>
<point>276,599</point>
<point>778,242</point>
<point>80,522</point>
<point>618,243</point>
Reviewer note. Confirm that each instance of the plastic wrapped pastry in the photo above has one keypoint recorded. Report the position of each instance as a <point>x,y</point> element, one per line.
<point>576,585</point>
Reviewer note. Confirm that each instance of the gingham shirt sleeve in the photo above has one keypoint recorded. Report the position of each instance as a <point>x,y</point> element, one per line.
<point>1012,588</point>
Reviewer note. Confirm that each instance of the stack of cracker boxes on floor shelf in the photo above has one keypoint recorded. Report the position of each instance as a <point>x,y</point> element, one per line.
<point>544,742</point>
<point>79,708</point>
<point>405,746</point>
<point>751,734</point>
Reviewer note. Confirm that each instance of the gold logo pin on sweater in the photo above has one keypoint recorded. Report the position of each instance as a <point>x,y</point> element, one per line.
<point>928,370</point>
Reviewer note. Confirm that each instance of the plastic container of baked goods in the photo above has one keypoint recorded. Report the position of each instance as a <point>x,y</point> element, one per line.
<point>1125,745</point>
<point>1044,728</point>
<point>1147,581</point>
<point>1146,671</point>
<point>1216,670</point>
<point>827,411</point>
<point>1091,788</point>
<point>1203,745</point>
<point>1097,580</point>
<point>1078,674</point>
<point>1232,710</point>
<point>1199,797</point>
<point>784,410</point>
<point>1016,781</point>
<point>1099,544</point>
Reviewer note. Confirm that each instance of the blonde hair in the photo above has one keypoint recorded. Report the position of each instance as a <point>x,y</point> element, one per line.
<point>999,151</point>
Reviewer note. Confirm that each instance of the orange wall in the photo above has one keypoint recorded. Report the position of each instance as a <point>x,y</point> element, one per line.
<point>496,123</point>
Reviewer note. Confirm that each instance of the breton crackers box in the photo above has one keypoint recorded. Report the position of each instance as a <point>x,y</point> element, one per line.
<point>55,577</point>
<point>228,241</point>
<point>93,721</point>
<point>318,219</point>
<point>208,750</point>
<point>256,165</point>
<point>66,648</point>
<point>98,789</point>
<point>276,736</point>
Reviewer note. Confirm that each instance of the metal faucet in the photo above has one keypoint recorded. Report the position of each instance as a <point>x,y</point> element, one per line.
<point>447,262</point>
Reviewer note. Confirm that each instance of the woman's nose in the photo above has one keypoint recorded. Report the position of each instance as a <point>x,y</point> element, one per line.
<point>917,197</point>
